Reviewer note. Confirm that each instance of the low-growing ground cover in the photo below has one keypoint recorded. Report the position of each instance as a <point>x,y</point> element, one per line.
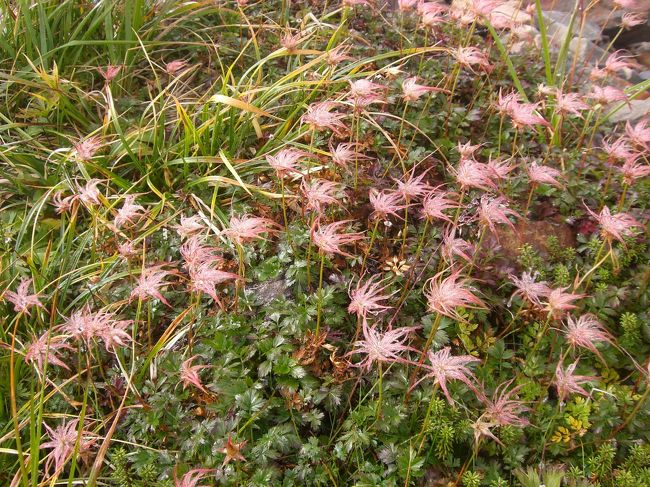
<point>266,243</point>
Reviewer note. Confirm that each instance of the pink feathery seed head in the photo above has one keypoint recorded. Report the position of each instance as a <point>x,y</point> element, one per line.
<point>286,161</point>
<point>484,8</point>
<point>618,62</point>
<point>632,170</point>
<point>435,203</point>
<point>194,476</point>
<point>204,278</point>
<point>546,90</point>
<point>45,349</point>
<point>413,187</point>
<point>558,302</point>
<point>503,410</point>
<point>391,71</point>
<point>432,17</point>
<point>195,253</point>
<point>586,331</point>
<point>189,225</point>
<point>472,56</point>
<point>462,15</point>
<point>445,295</point>
<point>444,367</point>
<point>320,193</point>
<point>381,347</point>
<point>566,382</point>
<point>248,227</point>
<point>467,150</point>
<point>606,94</point>
<point>627,4</point>
<point>62,204</point>
<point>615,226</point>
<point>406,5</point>
<point>114,334</point>
<point>411,90</point>
<point>483,427</point>
<point>21,299</point>
<point>630,19</point>
<point>502,20</point>
<point>64,440</point>
<point>173,67</point>
<point>320,116</point>
<point>529,288</point>
<point>329,241</point>
<point>526,115</point>
<point>366,297</point>
<point>452,246</point>
<point>431,7</point>
<point>110,72</point>
<point>639,133</point>
<point>472,174</point>
<point>385,203</point>
<point>569,103</point>
<point>149,283</point>
<point>190,374</point>
<point>338,54</point>
<point>89,194</point>
<point>597,74</point>
<point>83,324</point>
<point>495,210</point>
<point>619,149</point>
<point>501,167</point>
<point>544,175</point>
<point>506,104</point>
<point>85,149</point>
<point>127,249</point>
<point>363,88</point>
<point>345,153</point>
<point>361,103</point>
<point>130,212</point>
<point>525,34</point>
<point>291,41</point>
<point>232,451</point>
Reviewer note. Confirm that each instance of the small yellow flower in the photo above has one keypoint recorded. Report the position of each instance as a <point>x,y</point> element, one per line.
<point>577,425</point>
<point>561,435</point>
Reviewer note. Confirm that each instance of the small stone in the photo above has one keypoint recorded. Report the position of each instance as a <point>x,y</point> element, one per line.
<point>632,111</point>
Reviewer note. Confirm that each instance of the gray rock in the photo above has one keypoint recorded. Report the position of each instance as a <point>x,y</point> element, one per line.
<point>557,24</point>
<point>634,111</point>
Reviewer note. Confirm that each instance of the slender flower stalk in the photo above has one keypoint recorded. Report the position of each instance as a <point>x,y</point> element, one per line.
<point>319,293</point>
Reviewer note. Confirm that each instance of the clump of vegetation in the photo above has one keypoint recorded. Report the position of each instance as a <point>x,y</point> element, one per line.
<point>312,243</point>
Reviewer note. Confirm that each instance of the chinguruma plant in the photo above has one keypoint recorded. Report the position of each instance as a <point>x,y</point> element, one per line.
<point>320,243</point>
